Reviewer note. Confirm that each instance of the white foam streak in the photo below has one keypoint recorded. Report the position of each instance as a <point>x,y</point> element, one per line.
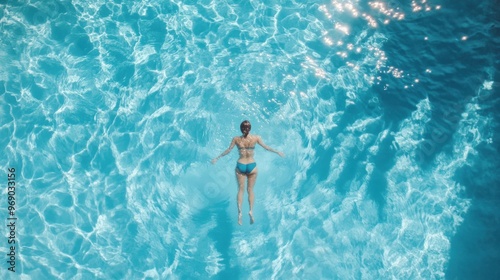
<point>431,189</point>
<point>424,208</point>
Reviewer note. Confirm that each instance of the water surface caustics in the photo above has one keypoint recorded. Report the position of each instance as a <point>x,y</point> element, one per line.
<point>114,110</point>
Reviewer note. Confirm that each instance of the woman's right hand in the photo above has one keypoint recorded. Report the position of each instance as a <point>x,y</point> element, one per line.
<point>214,161</point>
<point>281,154</point>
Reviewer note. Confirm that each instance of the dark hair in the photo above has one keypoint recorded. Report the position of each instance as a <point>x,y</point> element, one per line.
<point>244,124</point>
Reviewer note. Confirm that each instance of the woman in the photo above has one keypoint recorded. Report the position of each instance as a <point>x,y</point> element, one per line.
<point>246,166</point>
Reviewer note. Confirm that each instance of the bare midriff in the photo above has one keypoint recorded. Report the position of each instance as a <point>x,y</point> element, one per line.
<point>246,155</point>
<point>246,149</point>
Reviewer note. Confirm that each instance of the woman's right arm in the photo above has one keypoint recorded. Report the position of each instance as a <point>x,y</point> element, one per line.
<point>260,142</point>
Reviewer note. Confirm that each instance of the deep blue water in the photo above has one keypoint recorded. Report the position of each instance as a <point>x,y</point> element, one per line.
<point>387,113</point>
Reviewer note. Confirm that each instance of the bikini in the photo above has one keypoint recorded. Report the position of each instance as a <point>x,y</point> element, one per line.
<point>246,168</point>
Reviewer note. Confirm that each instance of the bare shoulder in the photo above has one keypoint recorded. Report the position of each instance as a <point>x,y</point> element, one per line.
<point>256,138</point>
<point>234,141</point>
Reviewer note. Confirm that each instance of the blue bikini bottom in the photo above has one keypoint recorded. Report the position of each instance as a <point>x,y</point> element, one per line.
<point>246,168</point>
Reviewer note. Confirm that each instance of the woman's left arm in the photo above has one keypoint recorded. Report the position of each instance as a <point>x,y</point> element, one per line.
<point>233,142</point>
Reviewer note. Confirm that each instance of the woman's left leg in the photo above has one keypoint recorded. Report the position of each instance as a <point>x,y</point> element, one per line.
<point>239,197</point>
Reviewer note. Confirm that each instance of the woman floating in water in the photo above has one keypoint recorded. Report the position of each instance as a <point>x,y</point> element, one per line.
<point>246,166</point>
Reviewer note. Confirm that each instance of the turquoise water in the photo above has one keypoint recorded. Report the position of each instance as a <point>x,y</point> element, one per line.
<point>387,113</point>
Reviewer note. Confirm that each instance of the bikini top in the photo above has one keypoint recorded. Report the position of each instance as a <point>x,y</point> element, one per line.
<point>246,148</point>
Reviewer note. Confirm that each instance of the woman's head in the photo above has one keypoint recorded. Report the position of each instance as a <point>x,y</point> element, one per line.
<point>245,128</point>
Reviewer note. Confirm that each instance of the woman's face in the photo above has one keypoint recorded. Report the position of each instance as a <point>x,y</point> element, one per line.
<point>245,129</point>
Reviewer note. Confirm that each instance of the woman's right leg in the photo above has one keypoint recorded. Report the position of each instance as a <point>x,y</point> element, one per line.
<point>252,177</point>
<point>241,189</point>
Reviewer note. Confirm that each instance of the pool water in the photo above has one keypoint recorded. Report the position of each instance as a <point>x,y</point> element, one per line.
<point>387,113</point>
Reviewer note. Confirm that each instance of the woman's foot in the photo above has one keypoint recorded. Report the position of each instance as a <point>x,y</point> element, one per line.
<point>239,219</point>
<point>251,217</point>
